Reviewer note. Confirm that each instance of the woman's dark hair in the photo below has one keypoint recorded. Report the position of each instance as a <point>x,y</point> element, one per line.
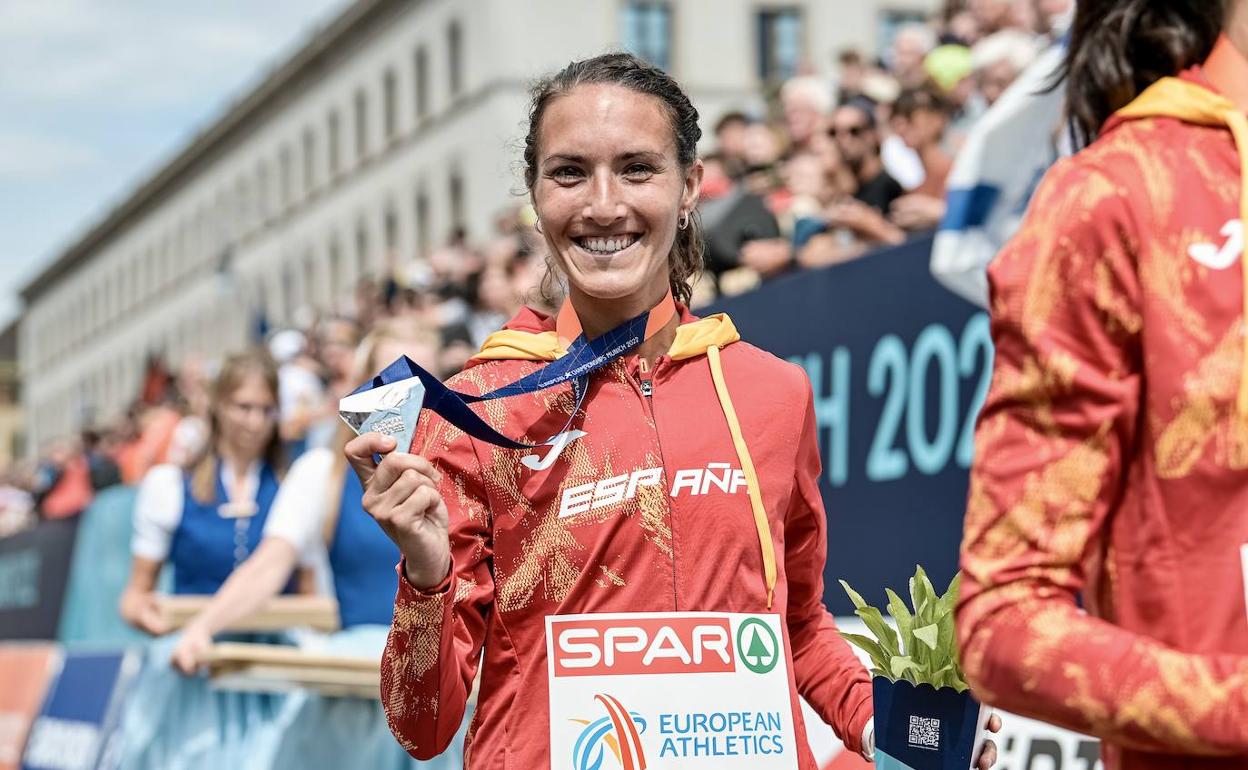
<point>1119,47</point>
<point>628,71</point>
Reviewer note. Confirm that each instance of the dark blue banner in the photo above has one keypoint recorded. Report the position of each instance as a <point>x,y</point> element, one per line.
<point>34,568</point>
<point>76,726</point>
<point>899,367</point>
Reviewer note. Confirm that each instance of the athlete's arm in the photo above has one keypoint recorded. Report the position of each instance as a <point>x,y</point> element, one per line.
<point>828,674</point>
<point>441,607</point>
<point>1055,434</point>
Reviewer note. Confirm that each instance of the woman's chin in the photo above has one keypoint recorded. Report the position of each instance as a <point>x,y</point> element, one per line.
<point>603,289</point>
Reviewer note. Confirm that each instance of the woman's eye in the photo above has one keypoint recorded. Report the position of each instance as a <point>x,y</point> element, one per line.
<point>566,174</point>
<point>638,171</point>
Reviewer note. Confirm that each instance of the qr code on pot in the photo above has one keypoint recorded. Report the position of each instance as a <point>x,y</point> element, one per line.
<point>925,732</point>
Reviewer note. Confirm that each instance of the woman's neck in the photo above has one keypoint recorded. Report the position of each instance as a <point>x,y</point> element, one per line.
<point>598,317</point>
<point>237,461</point>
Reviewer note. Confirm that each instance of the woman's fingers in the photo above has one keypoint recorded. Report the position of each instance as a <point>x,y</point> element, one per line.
<point>393,465</point>
<point>152,620</point>
<point>184,659</point>
<point>360,451</point>
<point>988,757</point>
<point>408,515</point>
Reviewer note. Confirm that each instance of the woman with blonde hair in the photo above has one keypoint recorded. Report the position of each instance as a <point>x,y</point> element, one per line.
<point>317,508</point>
<point>207,520</point>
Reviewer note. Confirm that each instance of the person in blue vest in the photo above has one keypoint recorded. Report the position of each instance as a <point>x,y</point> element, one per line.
<point>208,519</point>
<point>318,514</point>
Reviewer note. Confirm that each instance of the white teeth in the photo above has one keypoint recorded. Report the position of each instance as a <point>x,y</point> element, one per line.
<point>608,245</point>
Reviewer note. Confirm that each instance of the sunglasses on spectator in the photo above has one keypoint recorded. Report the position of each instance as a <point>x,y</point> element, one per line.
<point>854,131</point>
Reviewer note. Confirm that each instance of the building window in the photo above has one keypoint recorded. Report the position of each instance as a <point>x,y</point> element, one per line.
<point>455,190</point>
<point>136,280</point>
<point>333,270</point>
<point>242,215</point>
<point>310,294</point>
<point>420,82</point>
<point>646,30</point>
<point>332,141</point>
<point>289,295</point>
<point>779,43</point>
<point>149,273</point>
<point>262,190</point>
<point>285,173</point>
<point>309,160</point>
<point>422,224</point>
<point>361,125</point>
<point>391,229</point>
<point>390,111</point>
<point>361,252</point>
<point>455,58</point>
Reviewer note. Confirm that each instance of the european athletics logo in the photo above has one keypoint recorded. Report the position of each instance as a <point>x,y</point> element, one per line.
<point>620,730</point>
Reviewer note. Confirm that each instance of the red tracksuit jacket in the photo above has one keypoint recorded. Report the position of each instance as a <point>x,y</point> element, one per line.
<point>517,560</point>
<point>1112,451</point>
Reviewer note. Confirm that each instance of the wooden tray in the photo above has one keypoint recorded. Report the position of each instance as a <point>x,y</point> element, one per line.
<point>276,668</point>
<point>280,612</point>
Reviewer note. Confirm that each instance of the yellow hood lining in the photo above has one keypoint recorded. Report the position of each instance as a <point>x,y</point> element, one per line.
<point>1192,103</point>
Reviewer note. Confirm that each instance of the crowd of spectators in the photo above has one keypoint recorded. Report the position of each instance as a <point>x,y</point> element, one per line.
<point>838,167</point>
<point>862,160</point>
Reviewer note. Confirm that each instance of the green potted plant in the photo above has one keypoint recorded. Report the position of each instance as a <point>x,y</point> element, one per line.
<point>925,715</point>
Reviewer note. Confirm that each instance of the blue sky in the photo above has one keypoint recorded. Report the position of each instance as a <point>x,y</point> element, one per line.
<point>96,94</point>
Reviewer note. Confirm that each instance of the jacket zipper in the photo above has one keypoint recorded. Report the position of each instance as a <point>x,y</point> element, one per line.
<point>645,380</point>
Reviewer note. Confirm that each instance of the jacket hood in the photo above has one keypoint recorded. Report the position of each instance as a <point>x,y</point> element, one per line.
<point>1192,99</point>
<point>530,336</point>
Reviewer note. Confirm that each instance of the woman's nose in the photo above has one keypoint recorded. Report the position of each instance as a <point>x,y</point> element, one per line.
<point>604,205</point>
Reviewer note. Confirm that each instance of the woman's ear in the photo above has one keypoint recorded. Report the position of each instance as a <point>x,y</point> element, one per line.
<point>693,186</point>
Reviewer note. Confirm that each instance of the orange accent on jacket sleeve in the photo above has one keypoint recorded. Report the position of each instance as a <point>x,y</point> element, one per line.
<point>1055,447</point>
<point>434,644</point>
<point>828,674</point>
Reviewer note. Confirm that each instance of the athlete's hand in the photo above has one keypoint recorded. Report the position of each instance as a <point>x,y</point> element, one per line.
<point>401,493</point>
<point>988,754</point>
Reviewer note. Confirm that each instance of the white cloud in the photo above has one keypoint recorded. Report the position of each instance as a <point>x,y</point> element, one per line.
<point>141,53</point>
<point>92,93</point>
<point>27,157</point>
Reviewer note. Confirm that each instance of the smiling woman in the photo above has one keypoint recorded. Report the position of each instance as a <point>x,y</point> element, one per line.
<point>654,564</point>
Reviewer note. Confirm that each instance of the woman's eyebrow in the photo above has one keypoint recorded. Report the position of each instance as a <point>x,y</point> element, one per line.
<point>564,157</point>
<point>640,154</point>
<point>627,155</point>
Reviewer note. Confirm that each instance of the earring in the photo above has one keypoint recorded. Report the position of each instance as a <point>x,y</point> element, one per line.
<point>683,221</point>
<point>537,225</point>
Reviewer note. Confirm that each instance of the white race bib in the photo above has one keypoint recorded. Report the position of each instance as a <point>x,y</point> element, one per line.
<point>687,690</point>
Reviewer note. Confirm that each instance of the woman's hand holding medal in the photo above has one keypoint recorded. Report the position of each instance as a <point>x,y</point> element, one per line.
<point>401,494</point>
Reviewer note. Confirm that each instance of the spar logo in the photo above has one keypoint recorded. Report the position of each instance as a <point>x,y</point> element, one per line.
<point>661,645</point>
<point>760,650</point>
<point>642,645</point>
<point>620,730</point>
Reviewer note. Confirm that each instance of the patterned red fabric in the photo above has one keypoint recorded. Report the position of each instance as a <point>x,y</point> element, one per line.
<point>516,560</point>
<point>1111,464</point>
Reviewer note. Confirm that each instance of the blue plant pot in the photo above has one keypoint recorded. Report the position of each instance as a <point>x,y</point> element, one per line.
<point>918,727</point>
